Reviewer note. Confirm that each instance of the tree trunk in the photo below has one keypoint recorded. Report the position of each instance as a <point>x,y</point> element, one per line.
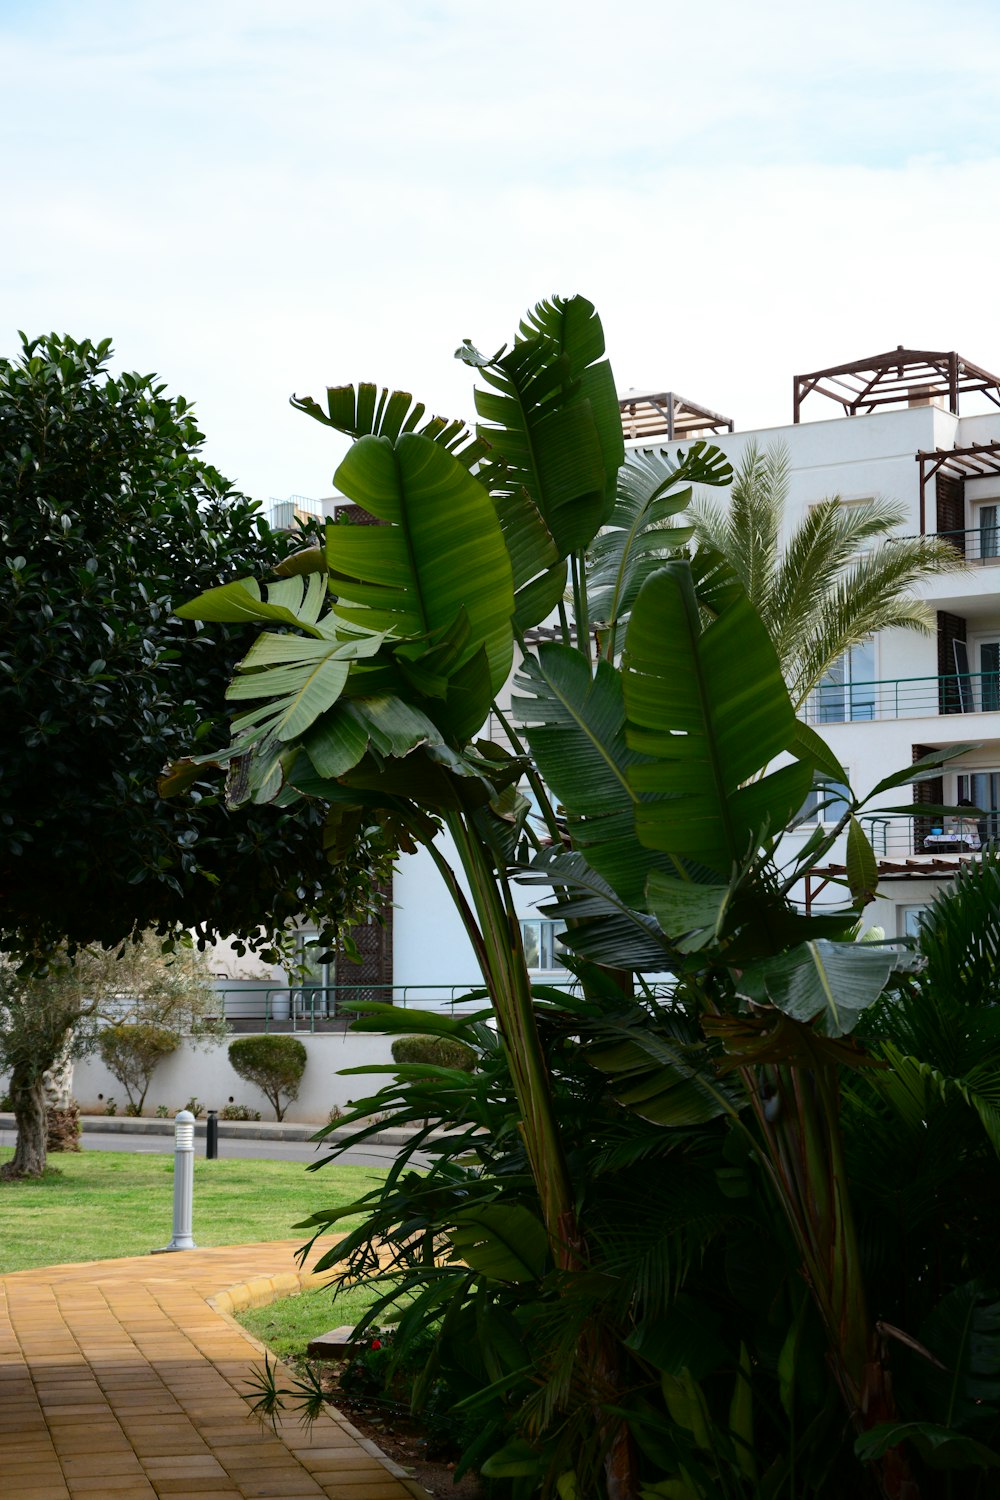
<point>58,1080</point>
<point>62,1110</point>
<point>27,1096</point>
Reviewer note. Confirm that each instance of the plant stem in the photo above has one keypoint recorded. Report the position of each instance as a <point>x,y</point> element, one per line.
<point>506,976</point>
<point>534,780</point>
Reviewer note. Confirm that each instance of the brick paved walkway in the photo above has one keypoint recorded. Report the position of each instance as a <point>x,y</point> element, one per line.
<point>121,1380</point>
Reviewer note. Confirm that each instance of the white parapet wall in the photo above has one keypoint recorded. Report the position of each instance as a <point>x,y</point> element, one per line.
<point>204,1073</point>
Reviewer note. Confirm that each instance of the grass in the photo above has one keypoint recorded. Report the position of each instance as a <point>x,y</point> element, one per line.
<point>99,1205</point>
<point>287,1326</point>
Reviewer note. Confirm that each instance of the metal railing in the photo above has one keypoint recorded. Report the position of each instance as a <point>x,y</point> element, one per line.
<point>282,515</point>
<point>904,698</point>
<point>314,1008</point>
<point>894,836</point>
<point>980,544</point>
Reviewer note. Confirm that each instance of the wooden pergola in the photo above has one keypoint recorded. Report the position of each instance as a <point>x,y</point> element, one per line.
<point>975,462</point>
<point>915,376</point>
<point>652,414</point>
<point>915,867</point>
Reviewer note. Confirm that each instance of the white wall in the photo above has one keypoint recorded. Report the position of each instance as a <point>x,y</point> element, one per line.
<point>433,960</point>
<point>205,1073</point>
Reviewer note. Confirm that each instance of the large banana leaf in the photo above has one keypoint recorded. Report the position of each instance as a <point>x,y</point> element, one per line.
<point>665,1075</point>
<point>652,488</point>
<point>574,721</point>
<point>294,680</point>
<point>603,927</point>
<point>503,1241</point>
<point>440,553</point>
<point>553,426</point>
<point>385,724</point>
<point>826,983</point>
<point>297,677</point>
<point>365,411</point>
<point>707,711</point>
<point>293,601</point>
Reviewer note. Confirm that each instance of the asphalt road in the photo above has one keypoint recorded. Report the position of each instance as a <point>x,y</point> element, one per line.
<point>248,1150</point>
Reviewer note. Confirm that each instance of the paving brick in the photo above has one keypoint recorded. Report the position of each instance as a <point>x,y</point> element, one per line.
<point>123,1379</point>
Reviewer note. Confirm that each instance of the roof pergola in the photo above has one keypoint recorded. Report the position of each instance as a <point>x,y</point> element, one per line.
<point>650,414</point>
<point>975,462</point>
<point>916,376</point>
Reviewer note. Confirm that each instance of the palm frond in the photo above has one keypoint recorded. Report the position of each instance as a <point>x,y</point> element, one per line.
<point>872,594</point>
<point>826,592</point>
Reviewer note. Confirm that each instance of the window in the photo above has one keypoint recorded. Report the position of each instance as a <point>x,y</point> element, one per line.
<point>977,664</point>
<point>315,995</point>
<point>827,803</point>
<point>540,939</point>
<point>981,789</point>
<point>989,532</point>
<point>847,692</point>
<point>911,920</point>
<point>989,675</point>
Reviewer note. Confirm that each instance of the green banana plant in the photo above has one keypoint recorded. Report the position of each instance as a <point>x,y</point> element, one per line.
<point>640,534</point>
<point>667,770</point>
<point>678,776</point>
<point>374,713</point>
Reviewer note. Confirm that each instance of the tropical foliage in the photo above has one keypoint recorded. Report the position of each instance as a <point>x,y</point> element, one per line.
<point>838,577</point>
<point>640,1245</point>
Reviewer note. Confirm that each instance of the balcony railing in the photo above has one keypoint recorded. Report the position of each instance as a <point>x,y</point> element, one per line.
<point>904,698</point>
<point>903,837</point>
<point>980,545</point>
<point>250,1006</point>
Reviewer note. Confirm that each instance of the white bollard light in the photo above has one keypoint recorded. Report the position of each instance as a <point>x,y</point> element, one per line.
<point>183,1183</point>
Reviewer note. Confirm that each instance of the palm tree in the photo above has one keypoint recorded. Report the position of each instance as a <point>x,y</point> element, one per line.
<point>827,587</point>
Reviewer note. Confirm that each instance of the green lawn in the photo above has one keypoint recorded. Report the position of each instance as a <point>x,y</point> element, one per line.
<point>101,1204</point>
<point>287,1326</point>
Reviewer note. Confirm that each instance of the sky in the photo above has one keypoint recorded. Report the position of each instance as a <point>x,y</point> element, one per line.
<point>259,199</point>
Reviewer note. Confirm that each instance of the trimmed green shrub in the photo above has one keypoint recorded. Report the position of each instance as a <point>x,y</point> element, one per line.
<point>439,1051</point>
<point>238,1112</point>
<point>131,1051</point>
<point>273,1064</point>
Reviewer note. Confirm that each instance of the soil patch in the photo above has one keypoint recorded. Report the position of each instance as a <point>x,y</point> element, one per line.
<point>402,1438</point>
<point>427,1455</point>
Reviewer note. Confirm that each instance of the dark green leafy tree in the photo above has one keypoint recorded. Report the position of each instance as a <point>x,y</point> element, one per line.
<point>109,517</point>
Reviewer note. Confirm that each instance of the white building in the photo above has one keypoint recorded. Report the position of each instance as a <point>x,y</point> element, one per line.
<point>918,428</point>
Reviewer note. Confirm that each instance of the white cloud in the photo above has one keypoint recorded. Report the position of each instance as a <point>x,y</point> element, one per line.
<point>255,202</point>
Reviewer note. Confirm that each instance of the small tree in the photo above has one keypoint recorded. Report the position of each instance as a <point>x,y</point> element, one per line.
<point>52,1015</point>
<point>273,1064</point>
<point>45,1019</point>
<point>131,1051</point>
<point>160,998</point>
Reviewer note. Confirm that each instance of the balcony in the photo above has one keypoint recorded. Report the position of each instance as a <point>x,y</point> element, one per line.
<point>979,546</point>
<point>904,698</point>
<point>899,838</point>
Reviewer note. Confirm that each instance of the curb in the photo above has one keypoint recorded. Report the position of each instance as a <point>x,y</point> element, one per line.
<point>247,1130</point>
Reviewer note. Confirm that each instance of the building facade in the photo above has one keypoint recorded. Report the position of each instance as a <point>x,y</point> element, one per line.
<point>920,429</point>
